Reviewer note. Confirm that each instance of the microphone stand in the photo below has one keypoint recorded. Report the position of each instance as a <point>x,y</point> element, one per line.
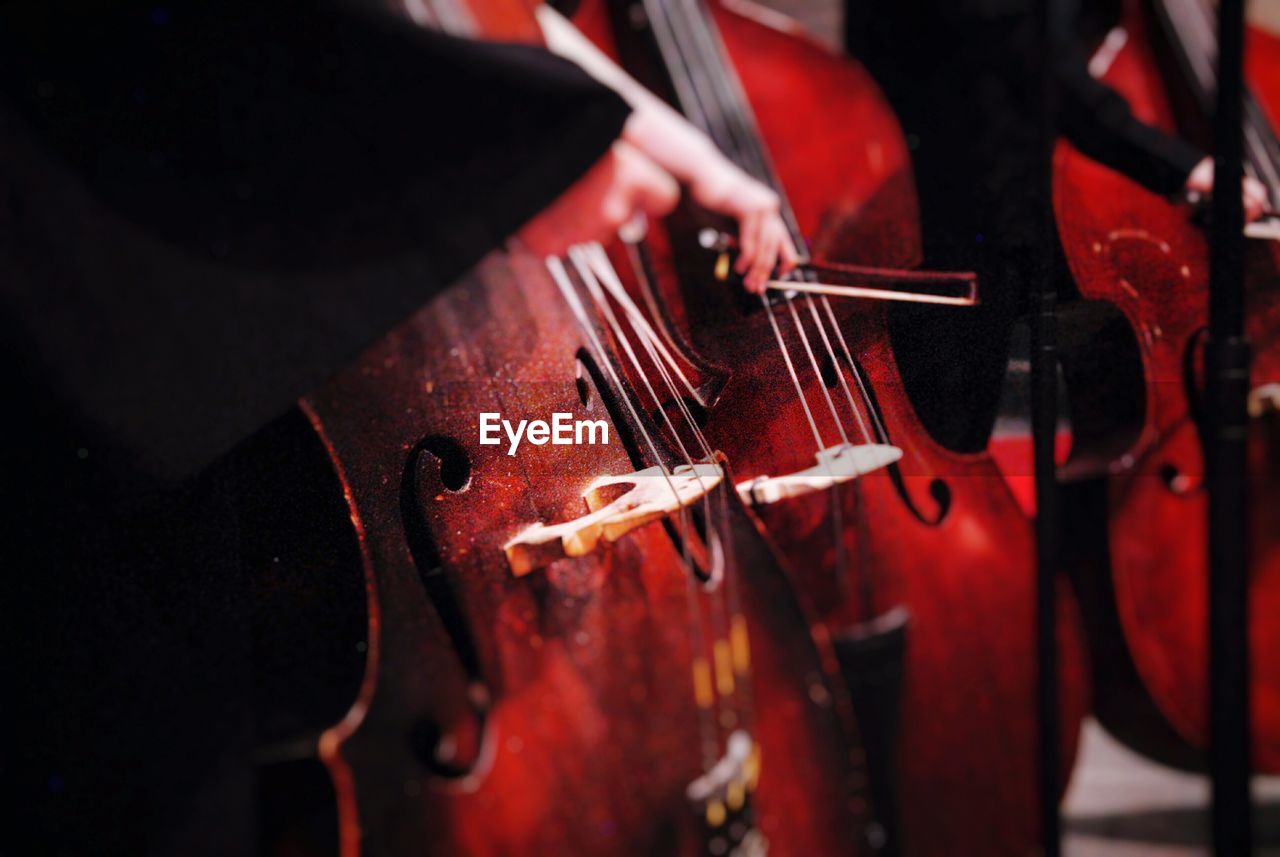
<point>1055,25</point>
<point>1224,436</point>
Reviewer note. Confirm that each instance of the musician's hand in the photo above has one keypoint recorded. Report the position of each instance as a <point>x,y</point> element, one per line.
<point>687,154</point>
<point>718,185</point>
<point>764,241</point>
<point>622,184</point>
<point>1254,192</point>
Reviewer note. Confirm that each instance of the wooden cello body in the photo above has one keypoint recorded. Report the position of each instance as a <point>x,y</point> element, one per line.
<point>554,712</point>
<point>1147,256</point>
<point>934,536</point>
<point>573,648</point>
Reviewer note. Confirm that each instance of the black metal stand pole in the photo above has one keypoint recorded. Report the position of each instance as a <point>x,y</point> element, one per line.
<point>1055,15</point>
<point>1044,391</point>
<point>1224,436</point>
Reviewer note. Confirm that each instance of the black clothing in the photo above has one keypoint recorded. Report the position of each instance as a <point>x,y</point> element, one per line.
<point>969,82</point>
<point>254,192</point>
<point>205,210</point>
<point>1097,120</point>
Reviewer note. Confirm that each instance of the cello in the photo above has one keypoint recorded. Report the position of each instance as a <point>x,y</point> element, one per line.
<point>576,649</point>
<point>1149,257</point>
<point>910,549</point>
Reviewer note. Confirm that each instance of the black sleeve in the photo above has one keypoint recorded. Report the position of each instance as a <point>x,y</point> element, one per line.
<point>288,128</point>
<point>1098,121</point>
<point>206,209</point>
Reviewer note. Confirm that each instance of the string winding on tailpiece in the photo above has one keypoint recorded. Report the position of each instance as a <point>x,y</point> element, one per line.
<point>721,666</point>
<point>648,495</point>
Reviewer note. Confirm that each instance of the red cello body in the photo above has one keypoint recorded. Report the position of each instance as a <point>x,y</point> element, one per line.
<point>938,533</point>
<point>527,694</point>
<point>556,712</point>
<point>1145,255</point>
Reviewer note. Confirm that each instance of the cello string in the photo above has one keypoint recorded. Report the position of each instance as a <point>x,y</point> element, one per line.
<point>842,569</point>
<point>742,139</point>
<point>734,107</point>
<point>817,371</point>
<point>663,336</point>
<point>685,82</point>
<point>702,87</point>
<point>874,503</point>
<point>723,674</point>
<point>855,368</point>
<point>648,338</point>
<point>604,266</point>
<point>737,108</point>
<point>791,370</point>
<point>651,342</point>
<point>873,409</point>
<point>755,150</point>
<point>725,108</point>
<point>721,651</point>
<point>836,516</point>
<point>588,277</point>
<point>751,146</point>
<point>738,632</point>
<point>746,143</point>
<point>693,105</point>
<point>844,383</point>
<point>697,106</point>
<point>707,725</point>
<point>561,277</point>
<point>578,255</point>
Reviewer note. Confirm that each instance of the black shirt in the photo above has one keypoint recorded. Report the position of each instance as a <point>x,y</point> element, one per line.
<point>212,206</point>
<point>207,208</point>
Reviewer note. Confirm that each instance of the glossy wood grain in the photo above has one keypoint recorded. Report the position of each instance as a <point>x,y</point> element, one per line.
<point>1147,256</point>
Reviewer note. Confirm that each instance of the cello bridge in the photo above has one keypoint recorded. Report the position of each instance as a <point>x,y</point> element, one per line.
<point>835,466</point>
<point>616,506</point>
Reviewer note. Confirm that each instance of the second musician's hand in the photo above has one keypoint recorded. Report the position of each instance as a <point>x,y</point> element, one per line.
<point>671,142</point>
<point>1253,192</point>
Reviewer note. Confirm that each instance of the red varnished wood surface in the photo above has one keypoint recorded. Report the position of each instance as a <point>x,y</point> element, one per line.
<point>1146,256</point>
<point>967,578</point>
<point>593,730</point>
<point>1134,249</point>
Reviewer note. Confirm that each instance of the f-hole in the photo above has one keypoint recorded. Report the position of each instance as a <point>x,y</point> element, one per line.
<point>1193,376</point>
<point>451,459</point>
<point>691,536</point>
<point>692,540</point>
<point>436,457</point>
<point>582,384</point>
<point>673,411</point>
<point>939,490</point>
<point>436,454</point>
<point>830,377</point>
